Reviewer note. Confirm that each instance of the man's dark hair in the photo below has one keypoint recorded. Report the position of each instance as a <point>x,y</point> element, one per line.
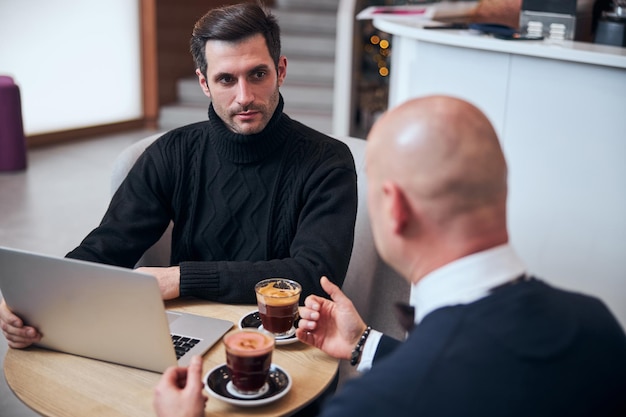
<point>233,24</point>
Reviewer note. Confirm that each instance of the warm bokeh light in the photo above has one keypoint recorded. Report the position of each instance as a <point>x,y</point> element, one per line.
<point>377,51</point>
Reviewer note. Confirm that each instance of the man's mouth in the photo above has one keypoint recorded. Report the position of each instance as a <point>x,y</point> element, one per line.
<point>247,114</point>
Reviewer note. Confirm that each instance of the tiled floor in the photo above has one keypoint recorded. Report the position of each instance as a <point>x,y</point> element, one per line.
<point>52,205</point>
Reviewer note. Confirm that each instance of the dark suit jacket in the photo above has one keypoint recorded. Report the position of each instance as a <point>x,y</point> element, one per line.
<point>526,350</point>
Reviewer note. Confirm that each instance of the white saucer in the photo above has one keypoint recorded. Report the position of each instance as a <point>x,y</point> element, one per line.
<point>217,380</point>
<point>253,320</point>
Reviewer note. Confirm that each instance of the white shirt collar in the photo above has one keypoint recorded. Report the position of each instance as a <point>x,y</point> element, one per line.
<point>465,280</point>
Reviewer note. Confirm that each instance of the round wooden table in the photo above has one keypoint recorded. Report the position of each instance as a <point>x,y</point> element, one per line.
<point>58,384</point>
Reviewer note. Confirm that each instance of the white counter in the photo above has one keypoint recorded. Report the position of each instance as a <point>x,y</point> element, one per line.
<point>582,52</point>
<point>560,111</point>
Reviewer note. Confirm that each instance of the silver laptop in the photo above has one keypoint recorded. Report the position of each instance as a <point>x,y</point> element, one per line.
<point>102,312</point>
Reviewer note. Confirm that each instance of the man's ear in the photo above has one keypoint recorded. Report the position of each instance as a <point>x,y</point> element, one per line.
<point>282,70</point>
<point>204,85</point>
<point>397,207</point>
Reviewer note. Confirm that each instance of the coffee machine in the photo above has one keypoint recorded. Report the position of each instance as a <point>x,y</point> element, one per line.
<point>611,29</point>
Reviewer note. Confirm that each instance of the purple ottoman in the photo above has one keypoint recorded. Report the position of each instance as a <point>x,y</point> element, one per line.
<point>12,143</point>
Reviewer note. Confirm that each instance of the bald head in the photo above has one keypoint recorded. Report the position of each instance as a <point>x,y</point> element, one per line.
<point>444,156</point>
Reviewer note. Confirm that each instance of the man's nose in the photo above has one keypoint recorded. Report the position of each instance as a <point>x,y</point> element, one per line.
<point>245,94</point>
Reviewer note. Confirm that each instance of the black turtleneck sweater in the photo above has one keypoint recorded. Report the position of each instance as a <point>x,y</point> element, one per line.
<point>280,203</point>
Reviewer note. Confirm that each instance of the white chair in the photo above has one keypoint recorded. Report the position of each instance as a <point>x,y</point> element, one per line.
<point>159,253</point>
<point>371,284</point>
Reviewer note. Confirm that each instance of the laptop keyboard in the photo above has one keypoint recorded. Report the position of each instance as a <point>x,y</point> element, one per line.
<point>183,344</point>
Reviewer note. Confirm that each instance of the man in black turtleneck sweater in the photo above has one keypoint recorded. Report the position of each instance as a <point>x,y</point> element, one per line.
<point>252,193</point>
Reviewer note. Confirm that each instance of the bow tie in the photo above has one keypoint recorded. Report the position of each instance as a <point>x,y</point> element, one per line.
<point>406,315</point>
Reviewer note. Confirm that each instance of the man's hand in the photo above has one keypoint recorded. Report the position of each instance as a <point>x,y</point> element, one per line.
<point>168,278</point>
<point>332,326</point>
<point>179,391</point>
<point>18,336</point>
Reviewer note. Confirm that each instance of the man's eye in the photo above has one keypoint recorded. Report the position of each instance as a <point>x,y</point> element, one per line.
<point>226,80</point>
<point>260,74</point>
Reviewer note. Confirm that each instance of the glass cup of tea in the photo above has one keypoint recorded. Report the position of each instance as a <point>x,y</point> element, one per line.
<point>277,299</point>
<point>248,358</point>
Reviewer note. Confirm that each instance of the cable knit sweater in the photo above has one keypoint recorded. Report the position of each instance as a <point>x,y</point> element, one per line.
<point>280,203</point>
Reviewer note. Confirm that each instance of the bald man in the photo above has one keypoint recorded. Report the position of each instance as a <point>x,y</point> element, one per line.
<point>487,338</point>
